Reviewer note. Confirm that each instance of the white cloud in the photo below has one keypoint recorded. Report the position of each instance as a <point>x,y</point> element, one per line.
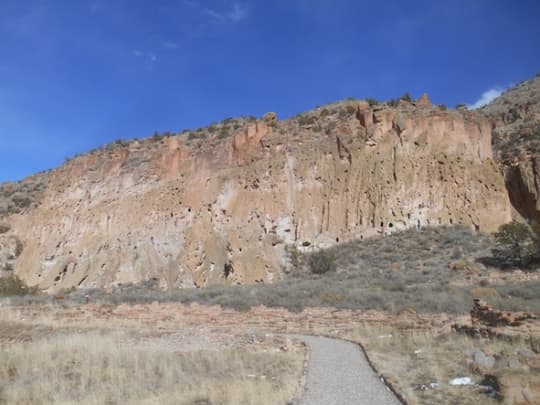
<point>238,13</point>
<point>486,98</point>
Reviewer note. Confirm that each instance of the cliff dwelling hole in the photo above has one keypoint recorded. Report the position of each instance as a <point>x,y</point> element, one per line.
<point>390,225</point>
<point>337,240</point>
<point>382,224</point>
<point>227,270</point>
<point>451,221</point>
<point>409,216</point>
<point>476,227</point>
<point>83,280</point>
<point>418,224</point>
<point>189,209</point>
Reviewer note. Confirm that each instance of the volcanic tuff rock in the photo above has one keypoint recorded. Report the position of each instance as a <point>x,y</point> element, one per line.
<point>516,127</point>
<point>224,204</point>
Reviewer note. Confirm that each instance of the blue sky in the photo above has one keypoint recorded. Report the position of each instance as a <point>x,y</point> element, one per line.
<point>77,74</point>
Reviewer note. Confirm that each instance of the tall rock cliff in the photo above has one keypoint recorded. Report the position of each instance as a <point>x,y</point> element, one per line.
<point>515,116</point>
<point>224,204</point>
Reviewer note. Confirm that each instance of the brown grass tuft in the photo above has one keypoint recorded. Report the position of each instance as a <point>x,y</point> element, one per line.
<point>98,369</point>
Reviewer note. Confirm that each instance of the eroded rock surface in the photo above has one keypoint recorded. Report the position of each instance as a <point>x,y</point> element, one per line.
<point>223,205</point>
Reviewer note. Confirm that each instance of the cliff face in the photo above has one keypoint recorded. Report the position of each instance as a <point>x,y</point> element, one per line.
<point>223,205</point>
<point>516,126</point>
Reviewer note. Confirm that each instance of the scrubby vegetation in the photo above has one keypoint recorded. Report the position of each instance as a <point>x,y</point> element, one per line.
<point>525,140</point>
<point>428,270</point>
<point>13,285</point>
<point>517,245</point>
<point>422,362</point>
<point>321,262</point>
<point>18,196</point>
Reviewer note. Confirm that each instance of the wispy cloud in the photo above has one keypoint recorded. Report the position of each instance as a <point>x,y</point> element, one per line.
<point>170,45</point>
<point>237,13</point>
<point>149,58</point>
<point>486,97</point>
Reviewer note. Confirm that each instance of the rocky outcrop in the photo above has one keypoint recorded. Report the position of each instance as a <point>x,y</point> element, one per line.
<point>515,117</point>
<point>224,205</point>
<point>10,249</point>
<point>484,314</point>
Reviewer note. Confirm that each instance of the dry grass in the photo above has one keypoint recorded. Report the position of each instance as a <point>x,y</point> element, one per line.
<point>100,369</point>
<point>413,360</point>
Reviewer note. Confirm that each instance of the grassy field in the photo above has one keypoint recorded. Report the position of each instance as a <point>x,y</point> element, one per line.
<point>430,270</point>
<point>100,369</point>
<point>421,364</point>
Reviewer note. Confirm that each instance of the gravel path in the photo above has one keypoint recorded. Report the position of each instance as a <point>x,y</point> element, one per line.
<point>339,374</point>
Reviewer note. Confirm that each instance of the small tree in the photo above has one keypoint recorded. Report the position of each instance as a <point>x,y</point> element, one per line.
<point>372,102</point>
<point>321,262</point>
<point>406,97</point>
<point>517,244</point>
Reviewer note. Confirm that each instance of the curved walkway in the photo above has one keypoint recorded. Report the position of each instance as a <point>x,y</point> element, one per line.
<point>339,374</point>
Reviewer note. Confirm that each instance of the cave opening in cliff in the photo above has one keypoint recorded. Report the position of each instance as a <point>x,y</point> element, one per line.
<point>227,270</point>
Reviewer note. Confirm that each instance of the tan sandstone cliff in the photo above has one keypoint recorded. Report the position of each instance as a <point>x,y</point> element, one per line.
<point>224,204</point>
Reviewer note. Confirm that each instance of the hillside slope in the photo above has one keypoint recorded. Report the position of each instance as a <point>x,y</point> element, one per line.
<point>516,142</point>
<point>225,203</point>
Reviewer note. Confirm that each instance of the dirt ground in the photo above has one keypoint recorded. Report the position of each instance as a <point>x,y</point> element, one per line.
<point>393,342</point>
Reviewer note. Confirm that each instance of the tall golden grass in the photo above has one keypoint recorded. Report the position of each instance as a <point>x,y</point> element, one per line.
<point>100,369</point>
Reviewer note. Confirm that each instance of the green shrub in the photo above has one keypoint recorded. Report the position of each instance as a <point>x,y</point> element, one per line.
<point>372,101</point>
<point>350,109</point>
<point>516,244</point>
<point>223,133</point>
<point>321,262</point>
<point>304,120</point>
<point>406,97</point>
